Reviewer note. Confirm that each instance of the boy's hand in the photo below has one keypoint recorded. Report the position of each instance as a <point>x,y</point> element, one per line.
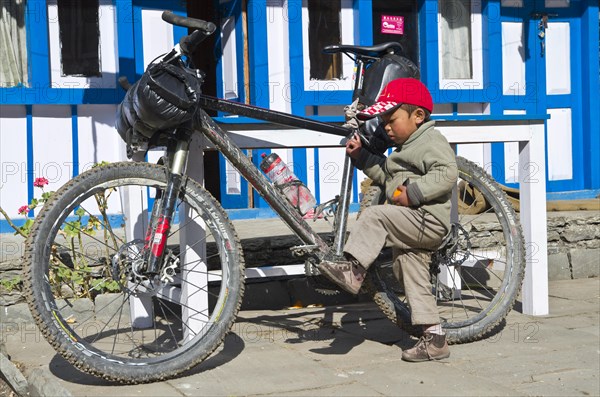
<point>353,146</point>
<point>400,197</point>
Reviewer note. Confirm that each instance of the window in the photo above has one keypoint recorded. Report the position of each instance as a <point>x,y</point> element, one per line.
<point>229,64</point>
<point>324,30</point>
<point>460,44</point>
<point>13,43</point>
<point>456,39</point>
<point>82,44</point>
<point>79,37</point>
<point>326,22</point>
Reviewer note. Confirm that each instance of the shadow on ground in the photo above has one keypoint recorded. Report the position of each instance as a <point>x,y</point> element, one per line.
<point>344,328</point>
<point>232,346</point>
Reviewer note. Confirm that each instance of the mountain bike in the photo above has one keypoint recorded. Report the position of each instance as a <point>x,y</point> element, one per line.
<point>161,306</point>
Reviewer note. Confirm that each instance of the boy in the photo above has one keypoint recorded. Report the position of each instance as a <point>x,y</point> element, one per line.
<point>418,178</point>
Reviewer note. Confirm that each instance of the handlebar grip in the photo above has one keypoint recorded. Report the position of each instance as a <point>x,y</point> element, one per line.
<point>187,22</point>
<point>124,83</point>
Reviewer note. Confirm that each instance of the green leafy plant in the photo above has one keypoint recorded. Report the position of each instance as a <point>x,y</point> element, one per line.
<point>71,272</point>
<point>10,284</point>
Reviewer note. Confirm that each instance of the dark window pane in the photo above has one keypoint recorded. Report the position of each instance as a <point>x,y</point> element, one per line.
<point>323,30</point>
<point>79,37</point>
<point>410,38</point>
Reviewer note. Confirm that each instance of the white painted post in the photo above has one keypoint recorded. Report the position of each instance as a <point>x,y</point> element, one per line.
<point>135,210</point>
<point>450,277</point>
<point>532,178</point>
<point>532,184</point>
<point>192,243</point>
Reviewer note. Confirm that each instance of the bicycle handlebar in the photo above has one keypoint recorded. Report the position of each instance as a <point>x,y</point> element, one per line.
<point>189,43</point>
<point>187,22</point>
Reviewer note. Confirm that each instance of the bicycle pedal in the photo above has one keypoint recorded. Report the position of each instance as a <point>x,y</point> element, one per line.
<point>301,250</point>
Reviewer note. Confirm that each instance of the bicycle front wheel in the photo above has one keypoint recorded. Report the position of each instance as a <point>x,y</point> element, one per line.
<point>87,290</point>
<point>479,281</point>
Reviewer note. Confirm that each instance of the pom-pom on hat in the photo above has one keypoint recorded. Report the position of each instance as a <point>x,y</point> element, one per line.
<point>396,92</point>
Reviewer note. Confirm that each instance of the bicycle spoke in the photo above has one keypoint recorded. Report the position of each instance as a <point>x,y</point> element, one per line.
<point>203,289</point>
<point>198,262</point>
<point>461,299</point>
<point>106,226</point>
<point>168,325</point>
<point>183,322</point>
<point>111,317</point>
<point>118,326</point>
<point>172,232</point>
<point>69,250</point>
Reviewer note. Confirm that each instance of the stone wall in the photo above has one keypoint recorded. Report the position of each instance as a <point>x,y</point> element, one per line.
<point>11,264</point>
<point>573,251</point>
<point>573,244</point>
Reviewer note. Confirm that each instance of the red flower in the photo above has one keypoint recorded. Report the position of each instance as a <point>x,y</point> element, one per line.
<point>40,182</point>
<point>24,210</point>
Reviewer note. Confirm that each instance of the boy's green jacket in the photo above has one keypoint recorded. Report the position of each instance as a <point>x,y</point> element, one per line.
<point>425,163</point>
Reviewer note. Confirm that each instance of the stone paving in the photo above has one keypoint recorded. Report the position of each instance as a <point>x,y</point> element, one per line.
<point>353,350</point>
<point>348,348</point>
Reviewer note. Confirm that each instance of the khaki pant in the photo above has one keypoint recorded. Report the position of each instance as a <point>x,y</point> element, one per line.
<point>413,234</point>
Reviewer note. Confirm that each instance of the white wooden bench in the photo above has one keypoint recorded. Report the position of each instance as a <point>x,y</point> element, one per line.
<point>528,132</point>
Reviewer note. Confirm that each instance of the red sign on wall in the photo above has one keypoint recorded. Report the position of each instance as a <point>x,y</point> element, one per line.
<point>392,24</point>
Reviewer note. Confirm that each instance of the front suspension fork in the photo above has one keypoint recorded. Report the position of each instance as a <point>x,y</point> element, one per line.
<point>159,227</point>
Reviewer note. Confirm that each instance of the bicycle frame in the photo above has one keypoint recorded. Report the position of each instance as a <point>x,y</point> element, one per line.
<point>218,137</point>
<point>204,123</point>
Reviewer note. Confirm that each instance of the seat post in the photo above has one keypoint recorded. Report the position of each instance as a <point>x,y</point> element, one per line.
<point>358,78</point>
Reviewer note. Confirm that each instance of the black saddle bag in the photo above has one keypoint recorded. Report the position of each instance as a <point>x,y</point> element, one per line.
<point>377,76</point>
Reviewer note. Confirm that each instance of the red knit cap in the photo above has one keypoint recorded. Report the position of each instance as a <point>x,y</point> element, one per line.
<point>406,90</point>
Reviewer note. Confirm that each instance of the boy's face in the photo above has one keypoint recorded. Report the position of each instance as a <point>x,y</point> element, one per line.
<point>399,125</point>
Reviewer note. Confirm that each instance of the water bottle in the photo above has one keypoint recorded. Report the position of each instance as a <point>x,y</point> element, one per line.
<point>282,177</point>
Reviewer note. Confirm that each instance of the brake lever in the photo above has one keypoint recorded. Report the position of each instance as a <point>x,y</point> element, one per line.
<point>189,43</point>
<point>364,140</point>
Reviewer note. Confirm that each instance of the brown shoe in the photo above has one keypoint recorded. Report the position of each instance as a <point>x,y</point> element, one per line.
<point>348,275</point>
<point>429,347</point>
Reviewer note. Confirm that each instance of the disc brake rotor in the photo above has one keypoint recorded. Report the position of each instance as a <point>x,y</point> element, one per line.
<point>128,266</point>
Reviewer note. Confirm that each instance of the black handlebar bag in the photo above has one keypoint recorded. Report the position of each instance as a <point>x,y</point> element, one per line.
<point>165,97</point>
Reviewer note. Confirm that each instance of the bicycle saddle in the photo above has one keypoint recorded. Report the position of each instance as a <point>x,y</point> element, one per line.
<point>376,51</point>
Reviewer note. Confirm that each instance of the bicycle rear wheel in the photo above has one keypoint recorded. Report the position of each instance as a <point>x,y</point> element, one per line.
<point>477,286</point>
<point>86,287</point>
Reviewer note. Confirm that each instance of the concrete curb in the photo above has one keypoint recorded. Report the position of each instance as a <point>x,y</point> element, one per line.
<point>13,376</point>
<point>39,383</point>
<point>42,384</point>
